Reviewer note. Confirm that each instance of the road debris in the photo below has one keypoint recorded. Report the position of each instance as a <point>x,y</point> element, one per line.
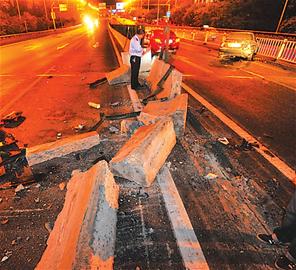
<point>5,258</point>
<point>59,135</point>
<point>115,104</point>
<point>223,140</point>
<point>80,127</point>
<point>211,176</point>
<point>62,185</point>
<point>246,146</point>
<point>94,105</point>
<point>4,221</point>
<point>113,129</point>
<point>48,227</point>
<point>201,110</point>
<point>37,200</point>
<point>19,188</point>
<point>12,120</point>
<point>98,82</point>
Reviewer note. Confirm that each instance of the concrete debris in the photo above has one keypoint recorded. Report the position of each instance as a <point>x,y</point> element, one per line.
<point>129,127</point>
<point>113,129</point>
<point>4,221</point>
<point>175,108</point>
<point>1,200</point>
<point>94,105</point>
<point>143,155</point>
<point>5,258</point>
<point>211,176</point>
<point>115,104</point>
<point>246,146</point>
<point>48,227</point>
<point>12,120</point>
<point>38,186</point>
<point>19,188</point>
<point>223,140</point>
<point>62,185</point>
<point>37,200</point>
<point>79,127</point>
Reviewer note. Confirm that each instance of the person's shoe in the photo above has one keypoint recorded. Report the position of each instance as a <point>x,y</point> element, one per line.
<point>267,238</point>
<point>284,263</point>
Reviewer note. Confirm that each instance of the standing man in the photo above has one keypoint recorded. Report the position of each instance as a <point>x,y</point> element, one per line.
<point>285,235</point>
<point>136,51</point>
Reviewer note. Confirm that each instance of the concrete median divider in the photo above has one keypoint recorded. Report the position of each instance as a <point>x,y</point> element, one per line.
<point>60,148</point>
<point>172,85</point>
<point>84,233</point>
<point>119,75</point>
<point>143,155</point>
<point>175,108</point>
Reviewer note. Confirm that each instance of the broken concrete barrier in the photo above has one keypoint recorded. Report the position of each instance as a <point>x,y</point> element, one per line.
<point>158,70</point>
<point>172,85</point>
<point>119,75</point>
<point>129,126</point>
<point>48,151</point>
<point>175,108</point>
<point>142,156</point>
<point>84,233</point>
<point>146,61</point>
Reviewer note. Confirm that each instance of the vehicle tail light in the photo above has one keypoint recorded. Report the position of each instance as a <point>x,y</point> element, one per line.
<point>157,40</point>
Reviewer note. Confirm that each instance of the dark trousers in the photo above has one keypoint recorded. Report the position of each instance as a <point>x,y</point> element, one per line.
<point>287,232</point>
<point>135,68</point>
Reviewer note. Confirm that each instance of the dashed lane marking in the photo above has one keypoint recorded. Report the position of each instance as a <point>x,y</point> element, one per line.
<point>239,77</point>
<point>62,46</point>
<point>262,150</point>
<point>190,248</point>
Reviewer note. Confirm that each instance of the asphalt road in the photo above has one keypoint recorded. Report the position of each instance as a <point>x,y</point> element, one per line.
<point>47,79</point>
<point>258,96</point>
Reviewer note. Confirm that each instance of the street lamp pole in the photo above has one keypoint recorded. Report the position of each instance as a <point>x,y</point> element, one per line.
<point>282,15</point>
<point>158,11</point>
<point>19,14</point>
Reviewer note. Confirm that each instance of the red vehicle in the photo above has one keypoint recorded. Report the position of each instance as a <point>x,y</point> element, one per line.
<point>157,41</point>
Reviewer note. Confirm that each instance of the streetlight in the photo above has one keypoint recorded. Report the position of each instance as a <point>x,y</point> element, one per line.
<point>282,15</point>
<point>19,14</point>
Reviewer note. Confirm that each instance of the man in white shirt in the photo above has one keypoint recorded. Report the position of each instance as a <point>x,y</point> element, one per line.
<point>136,51</point>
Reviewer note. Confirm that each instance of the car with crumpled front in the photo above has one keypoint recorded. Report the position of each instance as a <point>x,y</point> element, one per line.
<point>239,44</point>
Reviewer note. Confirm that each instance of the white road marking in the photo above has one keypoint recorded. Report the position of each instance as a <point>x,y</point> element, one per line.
<point>31,47</point>
<point>239,77</point>
<point>190,248</point>
<point>253,73</point>
<point>186,60</point>
<point>62,46</point>
<point>262,150</point>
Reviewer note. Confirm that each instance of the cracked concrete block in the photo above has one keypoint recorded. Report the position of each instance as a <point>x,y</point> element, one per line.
<point>158,70</point>
<point>146,61</point>
<point>119,75</point>
<point>89,213</point>
<point>60,148</point>
<point>142,156</point>
<point>175,108</point>
<point>129,126</point>
<point>172,86</point>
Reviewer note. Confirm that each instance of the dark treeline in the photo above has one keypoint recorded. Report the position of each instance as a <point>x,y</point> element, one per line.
<point>33,16</point>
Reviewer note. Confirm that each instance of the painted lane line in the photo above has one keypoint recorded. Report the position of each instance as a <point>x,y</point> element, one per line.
<point>190,248</point>
<point>262,150</point>
<point>253,73</point>
<point>62,46</point>
<point>270,80</point>
<point>31,47</point>
<point>239,77</point>
<point>187,61</point>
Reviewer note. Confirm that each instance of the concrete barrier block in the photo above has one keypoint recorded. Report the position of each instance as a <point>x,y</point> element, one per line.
<point>175,108</point>
<point>91,202</point>
<point>158,70</point>
<point>172,86</point>
<point>146,61</point>
<point>60,148</point>
<point>128,126</point>
<point>141,158</point>
<point>119,75</point>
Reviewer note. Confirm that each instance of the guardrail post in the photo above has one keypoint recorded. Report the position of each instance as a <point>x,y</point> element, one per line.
<point>193,35</point>
<point>206,38</point>
<point>281,49</point>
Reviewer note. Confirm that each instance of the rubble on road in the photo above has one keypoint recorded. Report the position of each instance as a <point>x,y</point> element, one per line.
<point>175,108</point>
<point>129,126</point>
<point>143,155</point>
<point>12,120</point>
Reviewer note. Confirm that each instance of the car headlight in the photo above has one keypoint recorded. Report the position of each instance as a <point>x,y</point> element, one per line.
<point>157,40</point>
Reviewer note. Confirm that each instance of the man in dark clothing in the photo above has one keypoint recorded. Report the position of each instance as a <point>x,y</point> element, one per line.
<point>285,236</point>
<point>136,51</point>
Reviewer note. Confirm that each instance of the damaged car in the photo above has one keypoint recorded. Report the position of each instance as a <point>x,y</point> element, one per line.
<point>239,44</point>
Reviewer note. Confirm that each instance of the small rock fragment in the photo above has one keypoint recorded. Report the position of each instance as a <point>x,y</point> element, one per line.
<point>59,135</point>
<point>48,227</point>
<point>5,258</point>
<point>37,200</point>
<point>62,185</point>
<point>211,176</point>
<point>4,221</point>
<point>19,188</point>
<point>113,129</point>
